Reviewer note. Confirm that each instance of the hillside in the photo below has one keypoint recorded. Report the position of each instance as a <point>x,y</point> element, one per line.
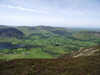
<point>44,50</point>
<point>43,41</point>
<point>81,65</point>
<point>89,35</point>
<point>10,32</point>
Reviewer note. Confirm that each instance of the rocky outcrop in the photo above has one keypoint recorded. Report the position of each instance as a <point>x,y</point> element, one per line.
<point>94,51</point>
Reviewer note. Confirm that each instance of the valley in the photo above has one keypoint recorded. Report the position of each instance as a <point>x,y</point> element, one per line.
<point>43,41</point>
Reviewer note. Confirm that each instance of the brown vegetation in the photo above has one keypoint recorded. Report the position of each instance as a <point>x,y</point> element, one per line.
<point>72,66</point>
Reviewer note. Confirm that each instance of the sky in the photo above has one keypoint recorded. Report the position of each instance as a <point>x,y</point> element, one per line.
<point>69,13</point>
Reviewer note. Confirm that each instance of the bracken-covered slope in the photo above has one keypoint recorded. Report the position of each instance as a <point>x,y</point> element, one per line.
<point>80,65</point>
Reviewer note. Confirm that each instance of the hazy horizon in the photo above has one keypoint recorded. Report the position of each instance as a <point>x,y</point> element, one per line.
<point>60,13</point>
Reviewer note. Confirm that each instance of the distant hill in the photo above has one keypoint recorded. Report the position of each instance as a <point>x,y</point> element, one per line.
<point>44,29</point>
<point>87,35</point>
<point>10,32</point>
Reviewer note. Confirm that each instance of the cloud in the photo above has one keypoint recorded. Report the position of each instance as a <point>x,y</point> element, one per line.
<point>50,12</point>
<point>25,9</point>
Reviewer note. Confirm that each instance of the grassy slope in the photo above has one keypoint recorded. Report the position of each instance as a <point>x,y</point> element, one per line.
<point>32,54</point>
